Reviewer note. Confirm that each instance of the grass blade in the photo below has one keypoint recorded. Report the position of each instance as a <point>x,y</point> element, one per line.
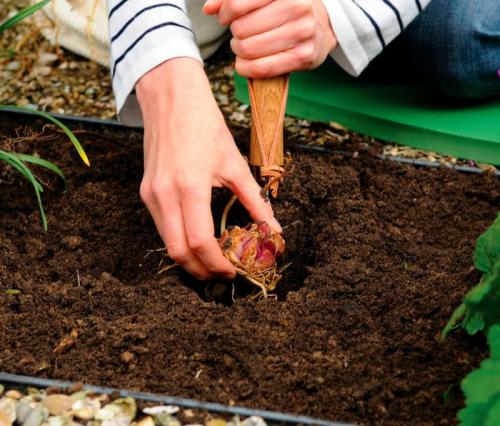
<point>7,53</point>
<point>43,163</point>
<point>22,14</point>
<point>26,172</point>
<point>63,127</point>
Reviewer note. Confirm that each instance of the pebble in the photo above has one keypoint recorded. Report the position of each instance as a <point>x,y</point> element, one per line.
<point>58,404</point>
<point>188,413</point>
<point>90,92</point>
<point>72,242</point>
<point>13,66</point>
<point>146,421</point>
<point>7,411</point>
<point>5,419</point>
<point>216,422</point>
<point>60,421</point>
<point>254,421</point>
<point>127,357</point>
<point>79,409</point>
<point>107,413</point>
<point>127,406</point>
<point>169,409</point>
<point>78,395</point>
<point>117,421</point>
<point>165,419</point>
<point>22,411</point>
<point>44,71</point>
<point>85,409</point>
<point>37,416</point>
<point>122,407</point>
<point>13,394</point>
<point>47,58</point>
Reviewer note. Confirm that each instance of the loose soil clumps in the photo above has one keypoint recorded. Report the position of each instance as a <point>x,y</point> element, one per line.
<point>380,252</point>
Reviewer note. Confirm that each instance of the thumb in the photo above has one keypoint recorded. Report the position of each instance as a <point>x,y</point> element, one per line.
<point>212,7</point>
<point>253,199</point>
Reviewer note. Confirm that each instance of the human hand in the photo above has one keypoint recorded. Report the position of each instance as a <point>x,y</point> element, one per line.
<point>188,149</point>
<point>273,37</point>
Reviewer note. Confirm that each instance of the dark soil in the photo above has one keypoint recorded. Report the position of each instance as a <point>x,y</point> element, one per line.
<point>381,257</point>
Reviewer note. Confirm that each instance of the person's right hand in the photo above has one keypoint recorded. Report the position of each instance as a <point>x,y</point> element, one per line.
<point>188,149</point>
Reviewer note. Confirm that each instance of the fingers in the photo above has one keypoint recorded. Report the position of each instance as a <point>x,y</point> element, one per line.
<point>250,195</point>
<point>212,7</point>
<point>169,222</point>
<point>272,37</point>
<point>199,227</point>
<point>273,15</point>
<point>272,42</point>
<point>302,57</point>
<point>229,10</point>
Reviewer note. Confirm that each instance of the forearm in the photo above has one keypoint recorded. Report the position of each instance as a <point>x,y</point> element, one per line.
<point>144,35</point>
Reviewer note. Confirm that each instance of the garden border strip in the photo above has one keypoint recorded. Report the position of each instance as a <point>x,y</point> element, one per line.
<point>302,147</point>
<point>17,380</point>
<point>396,108</point>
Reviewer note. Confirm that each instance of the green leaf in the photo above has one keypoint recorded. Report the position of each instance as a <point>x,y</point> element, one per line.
<point>18,162</point>
<point>474,414</point>
<point>494,342</point>
<point>7,53</point>
<point>481,306</point>
<point>493,416</point>
<point>483,383</point>
<point>12,291</point>
<point>487,250</point>
<point>54,120</point>
<point>475,323</point>
<point>22,14</point>
<point>44,163</point>
<point>450,394</point>
<point>15,162</point>
<point>482,388</point>
<point>455,320</point>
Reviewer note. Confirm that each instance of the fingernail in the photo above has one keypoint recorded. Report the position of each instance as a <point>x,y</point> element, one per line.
<point>276,225</point>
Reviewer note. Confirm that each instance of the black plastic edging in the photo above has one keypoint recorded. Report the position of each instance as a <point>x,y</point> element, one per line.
<point>435,164</point>
<point>16,380</point>
<point>301,147</point>
<point>73,118</point>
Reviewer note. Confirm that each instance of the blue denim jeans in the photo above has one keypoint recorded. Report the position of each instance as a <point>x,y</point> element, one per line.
<point>455,46</point>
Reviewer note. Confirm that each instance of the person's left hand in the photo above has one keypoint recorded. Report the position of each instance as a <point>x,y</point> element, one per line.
<point>273,37</point>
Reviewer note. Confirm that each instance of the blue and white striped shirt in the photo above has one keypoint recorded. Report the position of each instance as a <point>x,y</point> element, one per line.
<point>145,33</point>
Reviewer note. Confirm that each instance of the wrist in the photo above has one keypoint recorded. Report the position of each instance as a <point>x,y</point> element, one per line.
<point>325,22</point>
<point>175,79</point>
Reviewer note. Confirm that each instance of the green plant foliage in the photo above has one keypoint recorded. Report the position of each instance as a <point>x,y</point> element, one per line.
<point>18,162</point>
<point>7,53</point>
<point>482,388</point>
<point>481,306</point>
<point>22,15</point>
<point>487,250</point>
<point>62,126</point>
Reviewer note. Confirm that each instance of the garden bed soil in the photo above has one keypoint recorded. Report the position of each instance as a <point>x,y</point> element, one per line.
<point>381,256</point>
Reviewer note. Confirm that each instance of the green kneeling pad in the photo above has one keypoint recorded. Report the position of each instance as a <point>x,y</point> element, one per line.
<point>404,112</point>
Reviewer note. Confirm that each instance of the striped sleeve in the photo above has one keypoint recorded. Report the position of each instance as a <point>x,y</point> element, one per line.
<point>143,34</point>
<point>363,28</point>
